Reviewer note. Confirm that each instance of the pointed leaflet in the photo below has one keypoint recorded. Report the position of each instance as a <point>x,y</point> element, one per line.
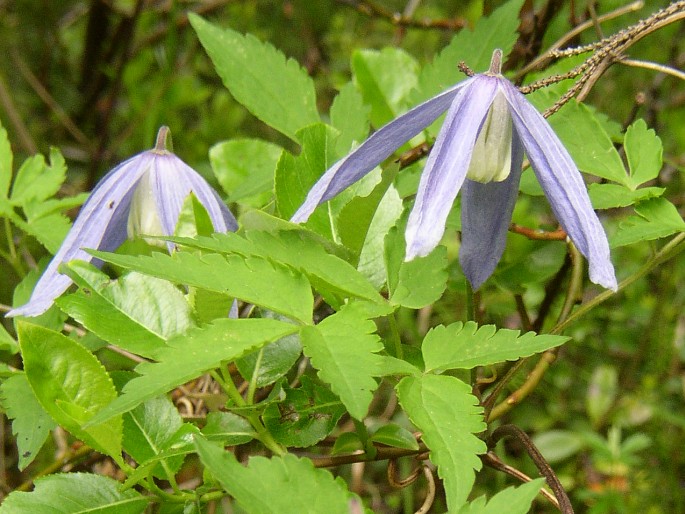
<point>610,196</point>
<point>71,385</point>
<point>273,88</point>
<point>152,428</point>
<point>329,274</point>
<point>512,500</point>
<point>473,47</point>
<point>459,346</point>
<point>75,493</point>
<point>192,354</point>
<point>443,408</point>
<point>276,485</point>
<point>643,152</point>
<point>656,218</point>
<point>30,423</point>
<point>136,312</point>
<point>36,180</point>
<point>344,347</point>
<point>253,279</point>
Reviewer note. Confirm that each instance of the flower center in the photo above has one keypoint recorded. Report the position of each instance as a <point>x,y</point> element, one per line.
<point>491,158</point>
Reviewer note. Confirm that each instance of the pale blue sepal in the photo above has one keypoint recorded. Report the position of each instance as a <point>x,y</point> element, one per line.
<point>101,225</point>
<point>486,211</point>
<point>563,185</point>
<point>378,147</point>
<point>447,165</point>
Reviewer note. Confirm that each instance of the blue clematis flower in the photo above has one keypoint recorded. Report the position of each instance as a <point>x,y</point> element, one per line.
<point>143,195</point>
<point>479,150</point>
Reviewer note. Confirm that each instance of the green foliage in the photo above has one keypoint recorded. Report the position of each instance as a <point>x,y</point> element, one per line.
<point>275,89</point>
<point>656,218</point>
<point>465,346</point>
<point>71,385</point>
<point>254,279</point>
<point>190,355</point>
<point>245,169</point>
<point>385,79</point>
<point>344,347</point>
<point>153,428</point>
<point>306,415</point>
<point>444,409</point>
<point>279,484</point>
<point>137,312</point>
<point>75,493</point>
<point>512,500</point>
<point>418,282</point>
<point>31,425</point>
<point>472,47</point>
<point>342,352</point>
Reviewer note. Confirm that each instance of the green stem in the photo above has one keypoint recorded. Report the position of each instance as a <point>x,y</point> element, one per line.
<point>262,433</point>
<point>252,388</point>
<point>395,336</point>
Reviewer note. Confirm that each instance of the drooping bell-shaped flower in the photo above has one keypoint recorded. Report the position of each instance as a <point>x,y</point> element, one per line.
<point>141,196</point>
<point>479,150</point>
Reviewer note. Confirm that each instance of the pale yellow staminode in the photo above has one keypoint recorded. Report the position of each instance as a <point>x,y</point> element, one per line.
<point>491,158</point>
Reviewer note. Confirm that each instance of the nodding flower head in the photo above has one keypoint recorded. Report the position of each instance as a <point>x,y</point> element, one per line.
<point>479,150</point>
<point>141,196</point>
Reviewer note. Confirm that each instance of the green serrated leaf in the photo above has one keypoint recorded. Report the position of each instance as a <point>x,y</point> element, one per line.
<point>643,153</point>
<point>196,352</point>
<point>306,416</point>
<point>6,158</point>
<point>36,180</point>
<point>347,442</point>
<point>245,168</point>
<point>275,89</point>
<point>444,409</point>
<point>499,30</point>
<point>75,493</point>
<point>229,429</point>
<point>136,312</point>
<point>512,500</point>
<point>71,385</point>
<point>395,436</point>
<point>349,115</point>
<point>31,425</point>
<point>656,218</point>
<point>610,196</point>
<point>465,346</point>
<point>385,79</point>
<point>343,347</point>
<point>276,485</point>
<point>333,277</point>
<point>152,428</point>
<point>253,279</point>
